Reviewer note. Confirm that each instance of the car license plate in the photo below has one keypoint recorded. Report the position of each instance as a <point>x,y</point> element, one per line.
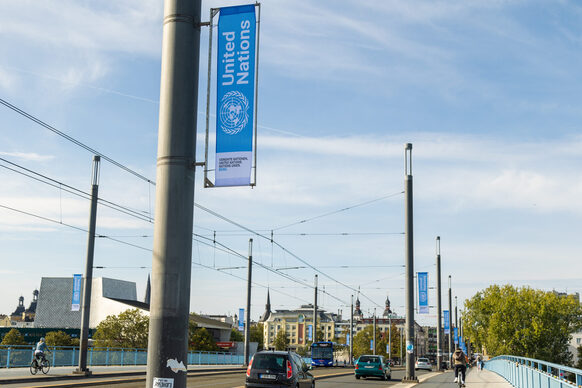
<point>271,377</point>
<point>368,366</point>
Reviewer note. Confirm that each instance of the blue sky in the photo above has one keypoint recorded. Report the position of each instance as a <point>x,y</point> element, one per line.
<point>488,92</point>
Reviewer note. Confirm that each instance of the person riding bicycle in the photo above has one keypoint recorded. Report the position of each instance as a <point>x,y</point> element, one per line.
<point>41,347</point>
<point>460,362</point>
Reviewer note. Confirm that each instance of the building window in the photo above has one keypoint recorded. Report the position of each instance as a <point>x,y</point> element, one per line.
<point>578,340</point>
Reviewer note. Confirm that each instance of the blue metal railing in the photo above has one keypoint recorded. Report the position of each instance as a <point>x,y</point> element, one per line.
<point>530,373</point>
<point>17,356</point>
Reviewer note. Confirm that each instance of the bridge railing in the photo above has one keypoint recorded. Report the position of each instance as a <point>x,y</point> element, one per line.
<point>530,373</point>
<point>17,356</point>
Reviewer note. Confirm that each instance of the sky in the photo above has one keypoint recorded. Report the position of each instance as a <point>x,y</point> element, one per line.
<point>487,91</point>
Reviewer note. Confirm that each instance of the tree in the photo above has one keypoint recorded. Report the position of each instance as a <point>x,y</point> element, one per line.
<point>58,338</point>
<point>129,329</point>
<point>523,322</point>
<point>236,336</point>
<point>257,335</point>
<point>579,362</point>
<point>13,337</point>
<point>202,340</point>
<point>362,341</point>
<point>281,341</point>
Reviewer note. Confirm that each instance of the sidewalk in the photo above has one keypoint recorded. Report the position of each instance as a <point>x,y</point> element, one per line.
<point>475,379</point>
<point>13,375</point>
<point>486,379</point>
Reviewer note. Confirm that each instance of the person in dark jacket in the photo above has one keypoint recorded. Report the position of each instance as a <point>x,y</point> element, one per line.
<point>460,362</point>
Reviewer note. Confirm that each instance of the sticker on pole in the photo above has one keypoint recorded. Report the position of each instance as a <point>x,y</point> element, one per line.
<point>160,382</point>
<point>409,348</point>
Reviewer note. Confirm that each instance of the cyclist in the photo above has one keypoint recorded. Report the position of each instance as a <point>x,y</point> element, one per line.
<point>41,347</point>
<point>460,362</point>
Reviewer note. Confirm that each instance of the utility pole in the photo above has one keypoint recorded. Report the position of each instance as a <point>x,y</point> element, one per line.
<point>352,332</point>
<point>315,312</point>
<point>374,335</point>
<point>450,325</point>
<point>172,248</point>
<point>439,307</point>
<point>86,310</point>
<point>409,375</point>
<point>248,322</point>
<point>456,316</point>
<point>390,335</point>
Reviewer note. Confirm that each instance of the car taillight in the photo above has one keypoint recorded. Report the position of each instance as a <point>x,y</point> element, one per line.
<point>380,367</point>
<point>289,370</point>
<point>249,368</point>
<point>357,366</point>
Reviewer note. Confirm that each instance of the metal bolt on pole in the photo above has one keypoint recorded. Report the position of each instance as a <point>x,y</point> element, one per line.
<point>409,375</point>
<point>174,209</point>
<point>88,281</point>
<point>439,306</point>
<point>248,320</point>
<point>315,312</point>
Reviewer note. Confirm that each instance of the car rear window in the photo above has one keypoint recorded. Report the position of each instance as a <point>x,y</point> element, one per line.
<point>369,359</point>
<point>274,362</point>
<point>423,360</point>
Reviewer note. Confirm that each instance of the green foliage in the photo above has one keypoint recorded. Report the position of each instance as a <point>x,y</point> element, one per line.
<point>257,335</point>
<point>129,329</point>
<point>13,337</point>
<point>303,351</point>
<point>281,341</point>
<point>522,322</point>
<point>362,341</point>
<point>200,339</point>
<point>58,338</point>
<point>382,344</point>
<point>236,336</point>
<point>319,336</point>
<point>579,362</point>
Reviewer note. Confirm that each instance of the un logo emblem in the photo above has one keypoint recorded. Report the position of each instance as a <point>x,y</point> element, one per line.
<point>233,112</point>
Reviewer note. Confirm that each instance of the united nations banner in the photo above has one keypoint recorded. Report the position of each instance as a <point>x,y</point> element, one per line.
<point>423,292</point>
<point>235,95</point>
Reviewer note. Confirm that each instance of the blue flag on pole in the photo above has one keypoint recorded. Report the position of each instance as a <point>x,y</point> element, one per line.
<point>310,332</point>
<point>456,336</point>
<point>446,319</point>
<point>241,319</point>
<point>423,292</point>
<point>235,94</point>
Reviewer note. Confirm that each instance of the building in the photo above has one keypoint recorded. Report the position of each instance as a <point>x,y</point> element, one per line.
<point>108,297</point>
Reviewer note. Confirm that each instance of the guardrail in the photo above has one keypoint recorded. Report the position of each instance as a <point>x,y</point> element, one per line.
<point>16,356</point>
<point>530,373</point>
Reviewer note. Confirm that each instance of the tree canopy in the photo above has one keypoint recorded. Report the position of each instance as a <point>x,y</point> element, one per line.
<point>257,335</point>
<point>236,336</point>
<point>59,338</point>
<point>523,322</point>
<point>281,341</point>
<point>13,337</point>
<point>129,329</point>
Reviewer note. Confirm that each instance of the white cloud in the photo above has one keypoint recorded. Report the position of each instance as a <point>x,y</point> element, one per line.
<point>30,156</point>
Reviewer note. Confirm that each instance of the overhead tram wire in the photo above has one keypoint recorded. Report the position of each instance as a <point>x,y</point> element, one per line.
<point>339,210</point>
<point>73,140</point>
<point>125,168</point>
<point>282,248</point>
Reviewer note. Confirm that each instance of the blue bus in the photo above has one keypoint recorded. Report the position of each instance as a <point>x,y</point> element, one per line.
<point>322,354</point>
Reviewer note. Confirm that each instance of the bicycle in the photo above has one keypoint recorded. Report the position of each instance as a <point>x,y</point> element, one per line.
<point>44,366</point>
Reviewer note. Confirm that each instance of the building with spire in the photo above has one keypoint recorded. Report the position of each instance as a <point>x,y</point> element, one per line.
<point>267,312</point>
<point>357,311</point>
<point>387,311</point>
<point>20,309</point>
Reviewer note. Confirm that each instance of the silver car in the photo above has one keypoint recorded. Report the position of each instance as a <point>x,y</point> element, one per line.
<point>422,363</point>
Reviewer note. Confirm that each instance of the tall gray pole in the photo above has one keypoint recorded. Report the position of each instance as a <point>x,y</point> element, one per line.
<point>352,332</point>
<point>87,283</point>
<point>315,312</point>
<point>390,335</point>
<point>409,375</point>
<point>172,249</point>
<point>248,321</point>
<point>456,316</point>
<point>451,332</point>
<point>439,306</point>
<point>374,333</point>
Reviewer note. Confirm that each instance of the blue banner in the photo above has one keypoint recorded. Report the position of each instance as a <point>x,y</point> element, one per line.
<point>446,319</point>
<point>371,344</point>
<point>310,332</point>
<point>456,333</point>
<point>241,319</point>
<point>423,292</point>
<point>235,95</point>
<point>347,339</point>
<point>76,299</point>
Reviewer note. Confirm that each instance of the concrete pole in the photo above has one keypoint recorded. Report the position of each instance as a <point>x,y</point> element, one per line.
<point>390,335</point>
<point>439,306</point>
<point>315,312</point>
<point>352,332</point>
<point>88,281</point>
<point>374,333</point>
<point>172,248</point>
<point>248,321</point>
<point>451,333</point>
<point>409,375</point>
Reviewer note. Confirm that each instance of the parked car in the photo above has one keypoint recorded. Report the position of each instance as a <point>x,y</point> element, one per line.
<point>372,366</point>
<point>423,363</point>
<point>278,369</point>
